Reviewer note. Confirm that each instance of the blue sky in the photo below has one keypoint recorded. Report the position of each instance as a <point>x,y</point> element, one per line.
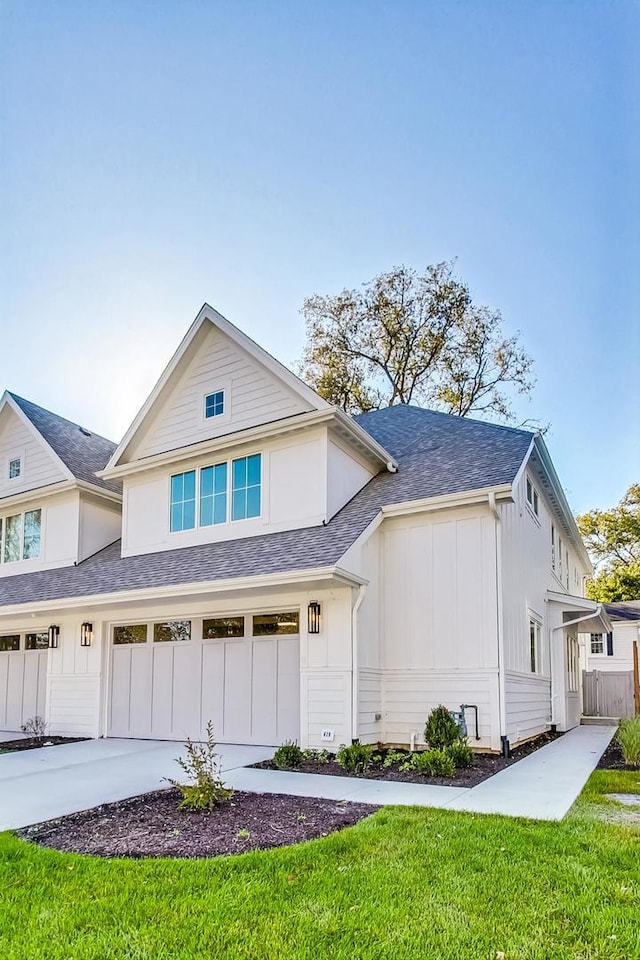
<point>154,155</point>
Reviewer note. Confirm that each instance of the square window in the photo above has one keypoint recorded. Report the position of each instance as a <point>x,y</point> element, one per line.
<point>597,643</point>
<point>15,468</point>
<point>214,404</point>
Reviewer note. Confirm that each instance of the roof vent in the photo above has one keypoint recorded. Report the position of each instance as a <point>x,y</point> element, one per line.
<point>84,432</point>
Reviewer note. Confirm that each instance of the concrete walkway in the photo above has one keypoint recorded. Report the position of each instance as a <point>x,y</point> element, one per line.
<point>42,784</point>
<point>50,782</point>
<point>544,785</point>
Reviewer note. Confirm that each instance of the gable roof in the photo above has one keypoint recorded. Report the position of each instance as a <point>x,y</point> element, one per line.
<point>437,454</point>
<point>627,610</point>
<point>208,314</point>
<point>81,452</point>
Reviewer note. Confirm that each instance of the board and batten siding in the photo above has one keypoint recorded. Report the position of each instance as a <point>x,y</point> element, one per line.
<point>345,477</point>
<point>439,620</point>
<point>74,681</point>
<point>40,468</point>
<point>253,395</point>
<point>23,686</point>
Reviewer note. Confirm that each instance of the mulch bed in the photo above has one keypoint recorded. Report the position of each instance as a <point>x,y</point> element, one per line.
<point>611,759</point>
<point>484,765</point>
<point>34,743</point>
<point>152,826</point>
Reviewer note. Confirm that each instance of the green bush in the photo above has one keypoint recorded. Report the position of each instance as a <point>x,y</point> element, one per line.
<point>393,757</point>
<point>355,759</point>
<point>441,729</point>
<point>206,788</point>
<point>317,756</point>
<point>431,763</point>
<point>461,753</point>
<point>628,737</point>
<point>288,756</point>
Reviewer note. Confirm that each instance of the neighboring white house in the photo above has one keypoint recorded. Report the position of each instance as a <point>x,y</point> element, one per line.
<point>283,569</point>
<point>613,651</point>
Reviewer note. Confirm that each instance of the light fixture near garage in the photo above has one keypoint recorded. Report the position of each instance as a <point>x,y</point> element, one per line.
<point>313,617</point>
<point>86,634</point>
<point>54,636</point>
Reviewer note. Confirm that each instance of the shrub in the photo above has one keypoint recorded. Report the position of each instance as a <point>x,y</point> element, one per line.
<point>35,727</point>
<point>317,756</point>
<point>441,729</point>
<point>356,758</point>
<point>461,753</point>
<point>628,737</point>
<point>394,756</point>
<point>432,763</point>
<point>206,788</point>
<point>288,755</point>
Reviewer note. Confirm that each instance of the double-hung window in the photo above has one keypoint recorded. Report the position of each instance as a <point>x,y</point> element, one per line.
<point>597,643</point>
<point>213,495</point>
<point>245,495</point>
<point>212,489</point>
<point>183,501</point>
<point>20,536</point>
<point>532,497</point>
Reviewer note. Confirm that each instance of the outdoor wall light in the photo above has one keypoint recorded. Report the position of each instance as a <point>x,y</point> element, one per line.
<point>313,617</point>
<point>54,636</point>
<point>86,634</point>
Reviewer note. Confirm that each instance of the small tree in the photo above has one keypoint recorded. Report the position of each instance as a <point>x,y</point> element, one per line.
<point>205,788</point>
<point>441,729</point>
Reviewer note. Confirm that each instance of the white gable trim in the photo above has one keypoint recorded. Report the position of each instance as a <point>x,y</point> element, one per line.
<point>208,314</point>
<point>7,401</point>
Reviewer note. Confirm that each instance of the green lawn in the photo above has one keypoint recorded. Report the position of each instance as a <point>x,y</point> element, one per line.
<point>406,883</point>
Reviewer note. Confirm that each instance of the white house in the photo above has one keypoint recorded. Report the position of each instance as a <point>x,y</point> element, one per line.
<point>283,569</point>
<point>613,651</point>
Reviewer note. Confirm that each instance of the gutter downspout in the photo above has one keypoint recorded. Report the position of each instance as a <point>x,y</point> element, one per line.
<point>354,661</point>
<point>502,693</point>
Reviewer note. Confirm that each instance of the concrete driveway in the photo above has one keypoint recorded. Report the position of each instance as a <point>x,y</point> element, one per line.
<point>37,785</point>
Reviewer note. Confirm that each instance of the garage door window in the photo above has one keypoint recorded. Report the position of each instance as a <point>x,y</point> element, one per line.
<point>221,627</point>
<point>276,624</point>
<point>9,643</point>
<point>131,633</point>
<point>171,630</point>
<point>36,641</point>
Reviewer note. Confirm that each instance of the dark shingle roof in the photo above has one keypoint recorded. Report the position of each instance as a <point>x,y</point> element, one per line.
<point>437,454</point>
<point>629,610</point>
<point>82,451</point>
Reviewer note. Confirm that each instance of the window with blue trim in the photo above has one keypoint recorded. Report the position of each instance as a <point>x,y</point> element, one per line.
<point>214,404</point>
<point>246,483</point>
<point>213,495</point>
<point>183,501</point>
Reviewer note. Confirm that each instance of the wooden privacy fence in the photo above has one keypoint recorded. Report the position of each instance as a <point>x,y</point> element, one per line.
<point>607,694</point>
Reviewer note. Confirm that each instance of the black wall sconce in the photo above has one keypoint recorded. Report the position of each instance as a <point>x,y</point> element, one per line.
<point>86,634</point>
<point>54,636</point>
<point>313,617</point>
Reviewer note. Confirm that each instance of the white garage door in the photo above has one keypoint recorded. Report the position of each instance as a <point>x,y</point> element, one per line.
<point>168,679</point>
<point>23,678</point>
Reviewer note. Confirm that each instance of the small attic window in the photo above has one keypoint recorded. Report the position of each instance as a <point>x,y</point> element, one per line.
<point>15,468</point>
<point>214,404</point>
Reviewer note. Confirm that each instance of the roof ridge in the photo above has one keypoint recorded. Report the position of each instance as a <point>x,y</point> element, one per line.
<point>452,416</point>
<point>51,413</point>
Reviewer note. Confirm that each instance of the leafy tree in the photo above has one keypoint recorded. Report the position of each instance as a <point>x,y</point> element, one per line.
<point>613,541</point>
<point>406,337</point>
